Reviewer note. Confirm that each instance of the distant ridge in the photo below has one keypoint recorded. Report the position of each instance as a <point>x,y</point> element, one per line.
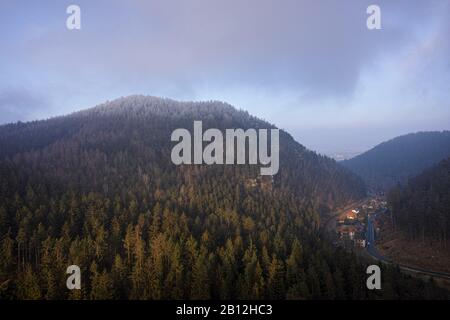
<point>397,160</point>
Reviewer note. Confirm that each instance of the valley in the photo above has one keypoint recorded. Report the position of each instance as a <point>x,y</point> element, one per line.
<point>364,227</point>
<point>97,189</point>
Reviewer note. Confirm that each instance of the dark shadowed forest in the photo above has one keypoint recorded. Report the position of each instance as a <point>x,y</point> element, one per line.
<point>97,189</point>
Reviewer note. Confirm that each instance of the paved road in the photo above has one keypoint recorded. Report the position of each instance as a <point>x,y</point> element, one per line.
<point>370,237</point>
<point>373,252</point>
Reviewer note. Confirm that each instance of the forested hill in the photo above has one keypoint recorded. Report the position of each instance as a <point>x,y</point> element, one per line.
<point>97,189</point>
<point>422,208</point>
<point>129,138</point>
<point>397,160</point>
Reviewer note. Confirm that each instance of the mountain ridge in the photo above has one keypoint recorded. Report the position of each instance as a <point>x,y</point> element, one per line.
<point>98,190</point>
<point>398,159</point>
<point>421,208</point>
<point>17,138</point>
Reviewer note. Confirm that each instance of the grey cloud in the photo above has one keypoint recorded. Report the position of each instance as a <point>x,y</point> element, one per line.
<point>320,47</point>
<point>294,56</point>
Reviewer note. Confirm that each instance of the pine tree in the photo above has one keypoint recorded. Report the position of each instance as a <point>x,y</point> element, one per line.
<point>275,281</point>
<point>200,281</point>
<point>28,286</point>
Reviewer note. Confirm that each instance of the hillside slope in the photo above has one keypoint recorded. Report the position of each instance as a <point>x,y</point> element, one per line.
<point>137,130</point>
<point>397,160</point>
<point>421,209</point>
<point>97,189</point>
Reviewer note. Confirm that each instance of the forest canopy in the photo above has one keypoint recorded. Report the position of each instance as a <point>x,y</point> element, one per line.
<point>97,189</point>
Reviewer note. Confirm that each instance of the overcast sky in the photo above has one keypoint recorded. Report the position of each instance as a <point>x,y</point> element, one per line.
<point>310,67</point>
